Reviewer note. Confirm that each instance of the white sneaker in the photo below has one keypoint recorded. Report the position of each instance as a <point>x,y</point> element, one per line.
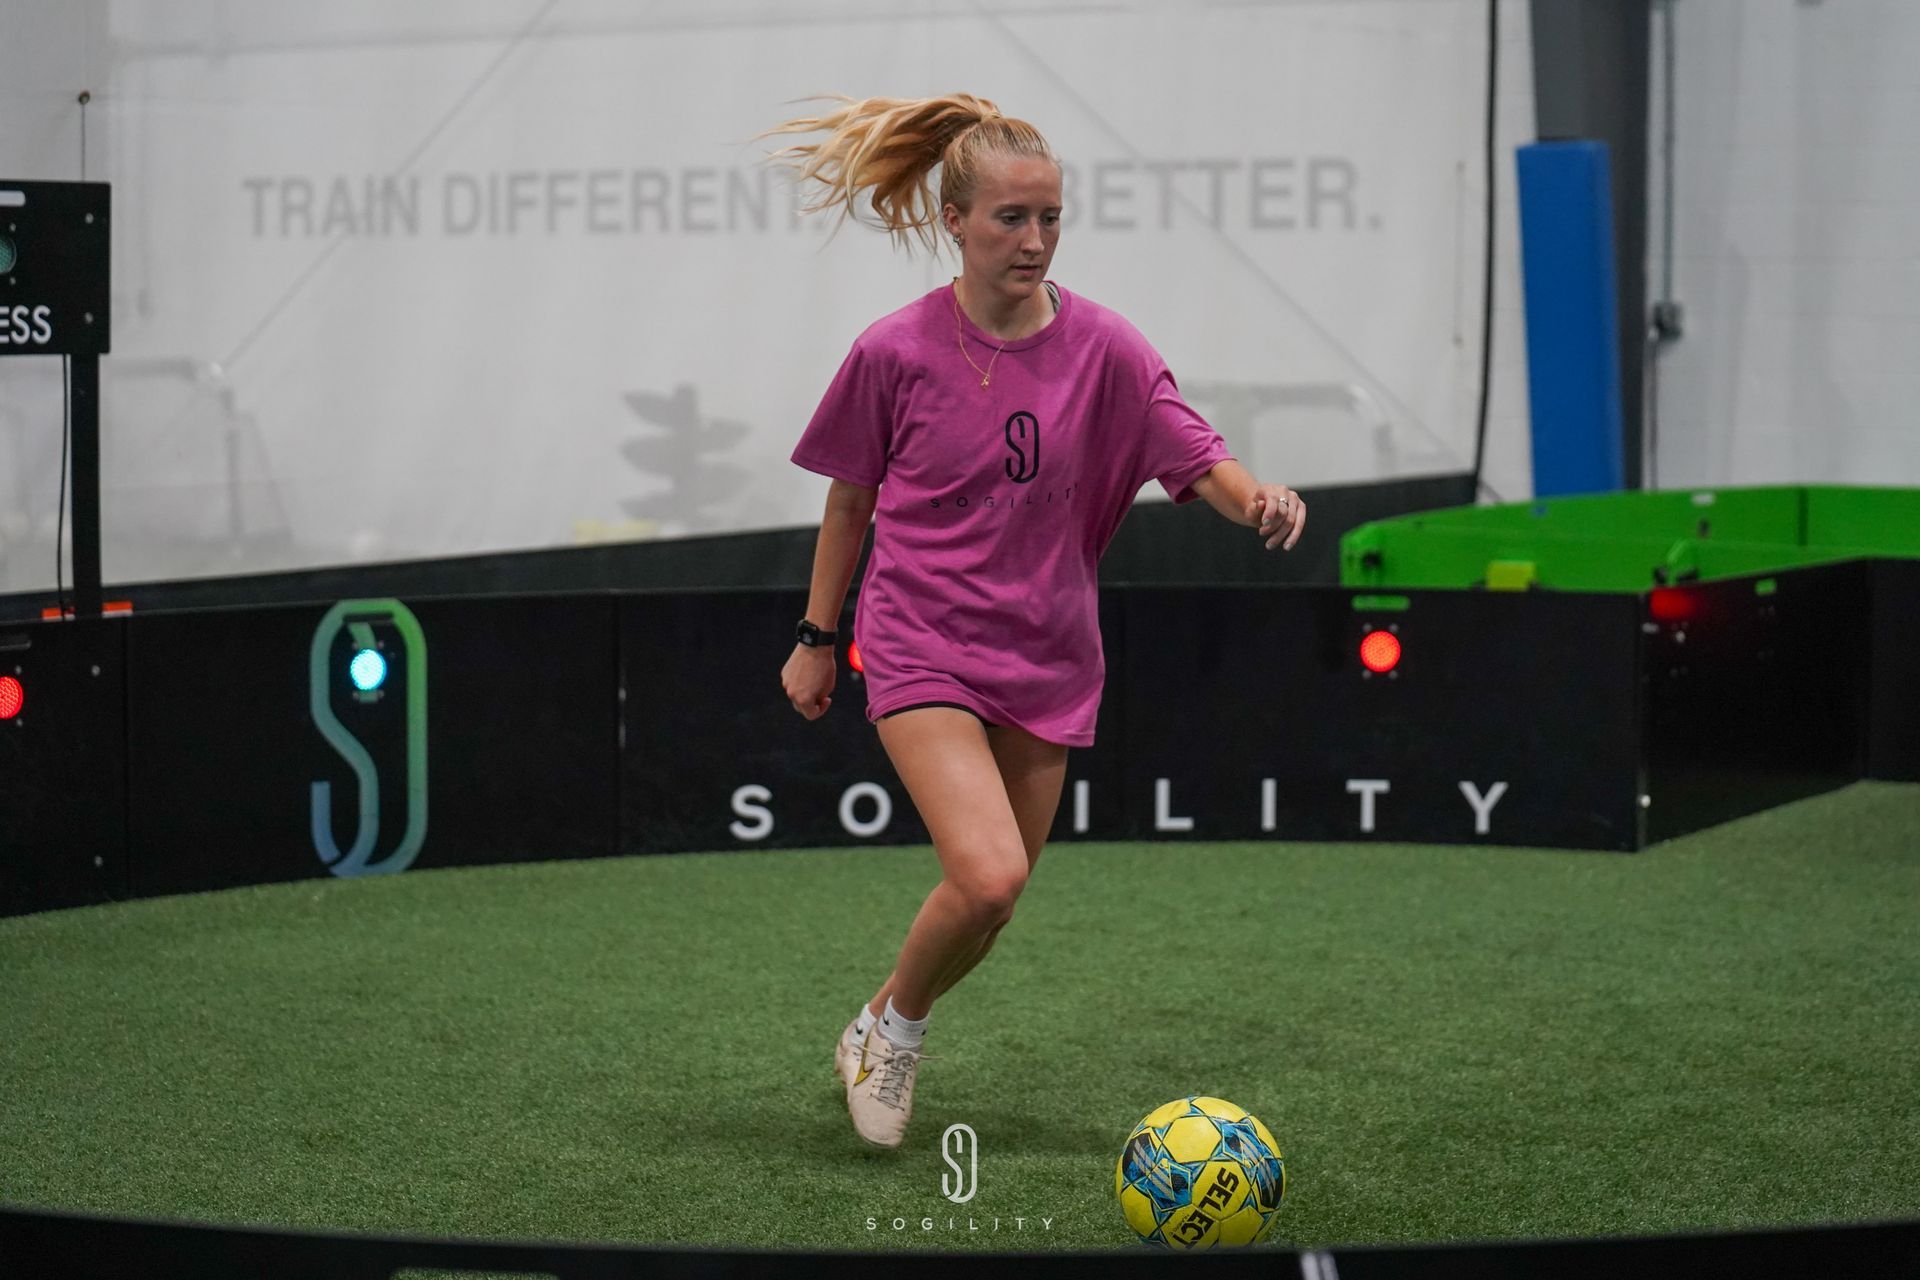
<point>846,1055</point>
<point>880,1098</point>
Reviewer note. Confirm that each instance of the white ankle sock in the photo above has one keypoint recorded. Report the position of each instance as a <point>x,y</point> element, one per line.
<point>863,1024</point>
<point>902,1032</point>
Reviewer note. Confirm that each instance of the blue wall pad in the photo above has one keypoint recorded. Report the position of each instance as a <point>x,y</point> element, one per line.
<point>1573,352</point>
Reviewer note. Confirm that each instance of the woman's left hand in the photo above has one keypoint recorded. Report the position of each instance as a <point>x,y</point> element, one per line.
<point>1279,513</point>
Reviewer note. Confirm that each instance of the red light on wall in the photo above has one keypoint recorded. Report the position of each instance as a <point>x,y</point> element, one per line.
<point>108,609</point>
<point>13,696</point>
<point>1670,604</point>
<point>1380,652</point>
<point>853,657</point>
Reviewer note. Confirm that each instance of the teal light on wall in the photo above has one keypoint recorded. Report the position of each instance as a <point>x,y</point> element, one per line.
<point>368,670</point>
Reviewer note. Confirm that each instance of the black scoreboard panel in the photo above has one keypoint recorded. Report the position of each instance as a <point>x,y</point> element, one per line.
<point>54,268</point>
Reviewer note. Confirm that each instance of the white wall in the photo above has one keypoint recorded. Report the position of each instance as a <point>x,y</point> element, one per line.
<point>1508,472</point>
<point>300,377</point>
<point>1797,202</point>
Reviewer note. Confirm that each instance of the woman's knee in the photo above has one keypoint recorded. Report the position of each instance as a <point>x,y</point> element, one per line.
<point>990,892</point>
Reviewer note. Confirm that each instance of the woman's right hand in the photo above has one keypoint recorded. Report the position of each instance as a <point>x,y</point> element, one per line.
<point>808,679</point>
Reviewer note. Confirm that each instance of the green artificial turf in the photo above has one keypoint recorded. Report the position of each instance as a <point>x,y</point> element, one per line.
<point>1448,1042</point>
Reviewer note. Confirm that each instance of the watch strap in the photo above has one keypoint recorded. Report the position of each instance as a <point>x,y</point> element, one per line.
<point>812,636</point>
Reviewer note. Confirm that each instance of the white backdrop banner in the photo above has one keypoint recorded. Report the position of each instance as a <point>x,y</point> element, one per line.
<point>395,282</point>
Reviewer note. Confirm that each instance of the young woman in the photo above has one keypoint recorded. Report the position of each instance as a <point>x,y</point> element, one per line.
<point>996,432</point>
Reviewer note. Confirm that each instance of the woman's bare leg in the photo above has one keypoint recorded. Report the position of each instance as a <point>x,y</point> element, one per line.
<point>1032,773</point>
<point>955,776</point>
<point>949,769</point>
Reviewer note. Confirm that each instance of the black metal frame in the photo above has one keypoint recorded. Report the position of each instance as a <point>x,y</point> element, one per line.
<point>52,1245</point>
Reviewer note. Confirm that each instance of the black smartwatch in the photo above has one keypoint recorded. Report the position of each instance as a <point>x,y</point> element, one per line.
<point>813,637</point>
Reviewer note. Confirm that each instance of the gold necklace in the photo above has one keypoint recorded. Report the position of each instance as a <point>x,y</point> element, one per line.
<point>986,374</point>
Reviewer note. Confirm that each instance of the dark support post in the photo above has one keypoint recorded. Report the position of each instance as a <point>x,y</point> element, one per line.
<point>86,485</point>
<point>1591,80</point>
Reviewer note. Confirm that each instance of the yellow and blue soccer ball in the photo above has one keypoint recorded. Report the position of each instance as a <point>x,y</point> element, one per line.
<point>1200,1173</point>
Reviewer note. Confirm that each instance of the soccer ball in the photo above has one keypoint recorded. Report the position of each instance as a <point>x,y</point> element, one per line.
<point>1200,1173</point>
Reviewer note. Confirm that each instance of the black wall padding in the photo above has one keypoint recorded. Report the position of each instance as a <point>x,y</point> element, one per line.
<point>63,767</point>
<point>1893,742</point>
<point>52,1245</point>
<point>1159,543</point>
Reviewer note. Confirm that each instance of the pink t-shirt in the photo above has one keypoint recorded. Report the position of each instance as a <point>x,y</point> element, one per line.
<point>996,503</point>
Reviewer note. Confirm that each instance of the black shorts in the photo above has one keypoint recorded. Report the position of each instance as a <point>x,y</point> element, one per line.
<point>955,705</point>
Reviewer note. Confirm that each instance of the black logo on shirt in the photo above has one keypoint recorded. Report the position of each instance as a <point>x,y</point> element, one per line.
<point>1023,438</point>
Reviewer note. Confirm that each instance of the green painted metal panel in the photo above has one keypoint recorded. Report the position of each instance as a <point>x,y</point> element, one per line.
<point>1635,541</point>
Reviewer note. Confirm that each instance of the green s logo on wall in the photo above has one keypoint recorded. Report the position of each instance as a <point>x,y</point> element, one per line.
<point>358,618</point>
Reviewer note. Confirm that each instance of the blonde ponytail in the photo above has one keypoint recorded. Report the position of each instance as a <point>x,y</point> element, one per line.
<point>890,145</point>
